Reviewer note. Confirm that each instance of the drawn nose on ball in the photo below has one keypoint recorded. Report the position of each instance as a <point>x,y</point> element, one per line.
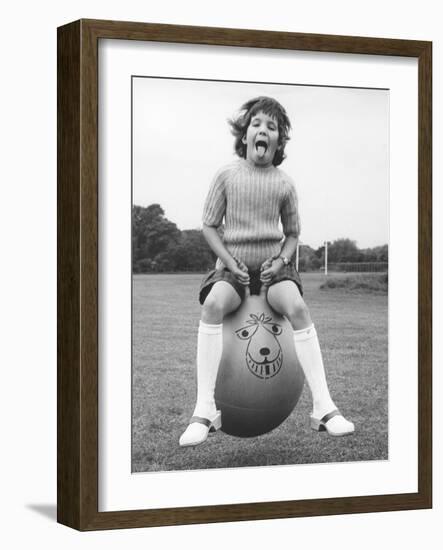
<point>265,351</point>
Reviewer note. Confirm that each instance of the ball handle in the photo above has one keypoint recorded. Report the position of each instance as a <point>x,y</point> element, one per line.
<point>262,294</point>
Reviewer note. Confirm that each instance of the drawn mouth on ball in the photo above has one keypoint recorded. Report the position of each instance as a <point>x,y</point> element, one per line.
<point>265,368</point>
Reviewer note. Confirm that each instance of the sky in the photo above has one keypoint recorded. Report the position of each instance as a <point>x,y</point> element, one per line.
<point>338,154</point>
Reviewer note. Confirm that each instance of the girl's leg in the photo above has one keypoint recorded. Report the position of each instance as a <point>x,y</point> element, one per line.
<point>286,299</point>
<point>221,300</point>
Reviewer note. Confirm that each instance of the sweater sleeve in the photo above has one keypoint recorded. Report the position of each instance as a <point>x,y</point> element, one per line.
<point>215,204</point>
<point>290,218</point>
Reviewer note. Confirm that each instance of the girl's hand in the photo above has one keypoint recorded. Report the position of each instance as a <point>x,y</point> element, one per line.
<point>266,264</point>
<point>271,269</point>
<point>240,272</point>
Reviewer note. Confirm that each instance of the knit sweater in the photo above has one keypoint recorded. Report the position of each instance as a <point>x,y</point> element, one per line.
<point>252,200</point>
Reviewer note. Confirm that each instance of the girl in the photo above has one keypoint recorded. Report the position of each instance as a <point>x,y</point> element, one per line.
<point>253,196</point>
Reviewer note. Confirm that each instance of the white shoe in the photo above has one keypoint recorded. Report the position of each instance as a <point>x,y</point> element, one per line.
<point>333,423</point>
<point>198,430</point>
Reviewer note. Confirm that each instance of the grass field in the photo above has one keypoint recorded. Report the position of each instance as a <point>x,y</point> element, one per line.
<point>353,331</point>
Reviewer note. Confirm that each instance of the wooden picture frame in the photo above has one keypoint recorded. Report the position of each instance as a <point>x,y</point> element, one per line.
<point>77,455</point>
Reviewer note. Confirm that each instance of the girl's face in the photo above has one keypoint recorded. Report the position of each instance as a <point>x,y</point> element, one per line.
<point>261,139</point>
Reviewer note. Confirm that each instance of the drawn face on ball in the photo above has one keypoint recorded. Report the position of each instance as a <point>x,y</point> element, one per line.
<point>264,355</point>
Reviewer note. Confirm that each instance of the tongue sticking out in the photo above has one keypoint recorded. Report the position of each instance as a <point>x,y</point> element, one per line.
<point>261,150</point>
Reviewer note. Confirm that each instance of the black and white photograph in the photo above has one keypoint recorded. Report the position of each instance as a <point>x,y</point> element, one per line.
<point>260,254</point>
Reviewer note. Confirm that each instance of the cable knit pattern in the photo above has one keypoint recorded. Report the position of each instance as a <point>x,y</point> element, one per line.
<point>252,200</point>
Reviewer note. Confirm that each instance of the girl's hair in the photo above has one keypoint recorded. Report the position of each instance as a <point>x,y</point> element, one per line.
<point>270,107</point>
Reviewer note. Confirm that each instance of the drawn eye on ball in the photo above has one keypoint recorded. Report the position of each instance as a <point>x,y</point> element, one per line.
<point>276,330</point>
<point>246,332</point>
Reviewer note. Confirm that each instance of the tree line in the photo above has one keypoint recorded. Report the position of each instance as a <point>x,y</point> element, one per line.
<point>158,245</point>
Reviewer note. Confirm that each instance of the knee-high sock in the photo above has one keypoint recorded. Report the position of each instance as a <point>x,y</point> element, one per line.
<point>309,355</point>
<point>209,352</point>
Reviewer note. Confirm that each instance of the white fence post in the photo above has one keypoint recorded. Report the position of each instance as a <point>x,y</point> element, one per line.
<point>326,257</point>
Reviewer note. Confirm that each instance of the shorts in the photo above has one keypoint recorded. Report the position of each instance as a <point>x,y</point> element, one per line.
<point>287,273</point>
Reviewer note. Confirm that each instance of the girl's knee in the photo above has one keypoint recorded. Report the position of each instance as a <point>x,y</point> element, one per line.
<point>212,310</point>
<point>298,314</point>
<point>221,300</point>
<point>287,300</point>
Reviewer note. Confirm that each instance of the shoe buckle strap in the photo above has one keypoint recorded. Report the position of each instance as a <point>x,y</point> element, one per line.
<point>330,415</point>
<point>201,420</point>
